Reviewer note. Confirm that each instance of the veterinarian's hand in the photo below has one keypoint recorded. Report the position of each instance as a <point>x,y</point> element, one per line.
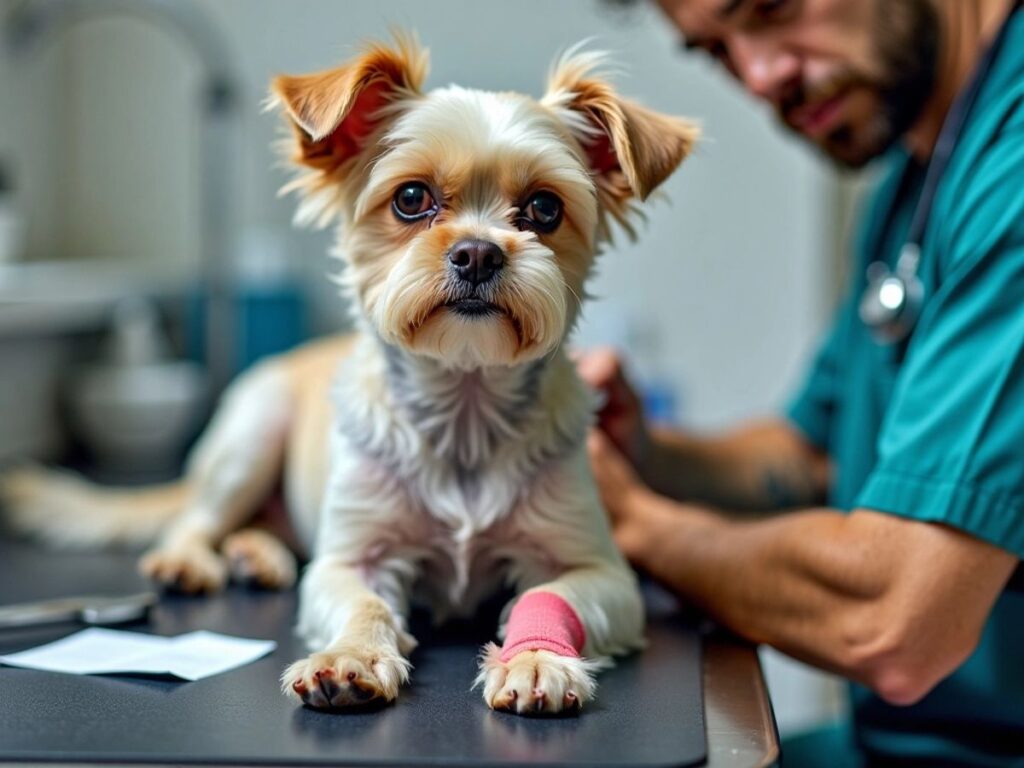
<point>629,502</point>
<point>621,416</point>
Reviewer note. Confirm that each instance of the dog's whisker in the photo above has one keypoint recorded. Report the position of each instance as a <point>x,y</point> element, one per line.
<point>579,301</point>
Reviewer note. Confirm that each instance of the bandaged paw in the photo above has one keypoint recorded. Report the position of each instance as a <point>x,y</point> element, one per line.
<point>543,621</point>
<point>347,676</point>
<point>538,670</point>
<point>535,682</point>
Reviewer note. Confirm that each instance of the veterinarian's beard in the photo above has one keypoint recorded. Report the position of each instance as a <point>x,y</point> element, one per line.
<point>907,43</point>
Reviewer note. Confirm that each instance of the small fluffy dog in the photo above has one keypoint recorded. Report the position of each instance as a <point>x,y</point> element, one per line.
<point>449,461</point>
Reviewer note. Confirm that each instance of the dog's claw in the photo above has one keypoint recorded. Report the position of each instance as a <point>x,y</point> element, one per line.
<point>535,682</point>
<point>190,570</point>
<point>338,680</point>
<point>539,699</point>
<point>329,693</point>
<point>257,559</point>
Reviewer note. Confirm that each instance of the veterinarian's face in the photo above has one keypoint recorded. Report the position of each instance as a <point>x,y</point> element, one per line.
<point>473,233</point>
<point>851,76</point>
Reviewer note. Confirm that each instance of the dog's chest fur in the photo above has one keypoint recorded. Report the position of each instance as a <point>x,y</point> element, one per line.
<point>460,457</point>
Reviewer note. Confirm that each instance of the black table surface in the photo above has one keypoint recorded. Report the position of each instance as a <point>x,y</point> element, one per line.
<point>648,711</point>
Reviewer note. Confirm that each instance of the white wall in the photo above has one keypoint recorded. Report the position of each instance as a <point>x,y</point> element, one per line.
<point>33,139</point>
<point>133,163</point>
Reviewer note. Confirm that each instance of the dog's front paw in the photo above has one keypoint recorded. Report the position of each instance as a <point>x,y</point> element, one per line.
<point>535,682</point>
<point>347,676</point>
<point>255,557</point>
<point>189,569</point>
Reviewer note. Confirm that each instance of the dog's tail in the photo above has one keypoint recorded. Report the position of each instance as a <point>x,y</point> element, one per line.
<point>68,511</point>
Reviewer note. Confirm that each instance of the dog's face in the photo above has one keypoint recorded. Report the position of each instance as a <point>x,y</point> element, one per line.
<point>469,219</point>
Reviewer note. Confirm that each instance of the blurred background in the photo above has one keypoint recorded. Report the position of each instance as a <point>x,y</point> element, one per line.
<point>145,256</point>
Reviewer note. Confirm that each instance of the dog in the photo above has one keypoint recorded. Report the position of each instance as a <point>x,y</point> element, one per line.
<point>438,455</point>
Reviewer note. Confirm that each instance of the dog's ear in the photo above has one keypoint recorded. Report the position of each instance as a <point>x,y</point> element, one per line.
<point>336,111</point>
<point>631,149</point>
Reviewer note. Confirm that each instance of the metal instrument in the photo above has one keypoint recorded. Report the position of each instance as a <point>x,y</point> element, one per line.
<point>100,610</point>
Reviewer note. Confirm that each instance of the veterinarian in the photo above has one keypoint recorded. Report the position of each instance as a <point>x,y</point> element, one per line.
<point>900,462</point>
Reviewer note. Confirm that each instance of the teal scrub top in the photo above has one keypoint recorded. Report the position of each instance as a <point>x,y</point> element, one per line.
<point>933,429</point>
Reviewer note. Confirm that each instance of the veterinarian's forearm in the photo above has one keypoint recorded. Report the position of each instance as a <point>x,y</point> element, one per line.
<point>752,578</point>
<point>826,588</point>
<point>766,466</point>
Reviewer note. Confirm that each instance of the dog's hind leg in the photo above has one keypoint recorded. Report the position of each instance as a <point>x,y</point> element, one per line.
<point>232,470</point>
<point>364,640</point>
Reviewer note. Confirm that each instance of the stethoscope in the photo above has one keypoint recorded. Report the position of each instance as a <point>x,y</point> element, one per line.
<point>893,298</point>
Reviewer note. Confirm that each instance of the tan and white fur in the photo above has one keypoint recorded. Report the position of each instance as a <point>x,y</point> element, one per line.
<point>448,460</point>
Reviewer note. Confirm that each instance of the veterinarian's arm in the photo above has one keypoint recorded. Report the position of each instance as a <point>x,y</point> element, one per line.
<point>765,466</point>
<point>892,603</point>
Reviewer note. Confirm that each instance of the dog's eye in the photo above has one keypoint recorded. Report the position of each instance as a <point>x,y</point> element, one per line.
<point>413,202</point>
<point>543,212</point>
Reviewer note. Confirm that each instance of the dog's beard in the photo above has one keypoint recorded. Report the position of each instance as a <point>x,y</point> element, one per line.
<point>520,315</point>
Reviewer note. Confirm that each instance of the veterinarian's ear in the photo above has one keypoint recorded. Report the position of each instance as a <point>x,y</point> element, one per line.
<point>631,149</point>
<point>334,112</point>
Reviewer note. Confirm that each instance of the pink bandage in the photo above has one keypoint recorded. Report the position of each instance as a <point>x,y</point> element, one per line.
<point>542,621</point>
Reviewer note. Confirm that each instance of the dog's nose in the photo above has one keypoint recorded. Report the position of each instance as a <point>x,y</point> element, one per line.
<point>476,261</point>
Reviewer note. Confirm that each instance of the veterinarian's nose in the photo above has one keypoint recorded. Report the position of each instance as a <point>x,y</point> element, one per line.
<point>476,261</point>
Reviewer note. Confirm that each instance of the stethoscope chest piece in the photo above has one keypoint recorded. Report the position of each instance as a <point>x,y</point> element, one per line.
<point>892,299</point>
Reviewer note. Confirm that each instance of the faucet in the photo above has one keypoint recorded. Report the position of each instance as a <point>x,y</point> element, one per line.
<point>30,21</point>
